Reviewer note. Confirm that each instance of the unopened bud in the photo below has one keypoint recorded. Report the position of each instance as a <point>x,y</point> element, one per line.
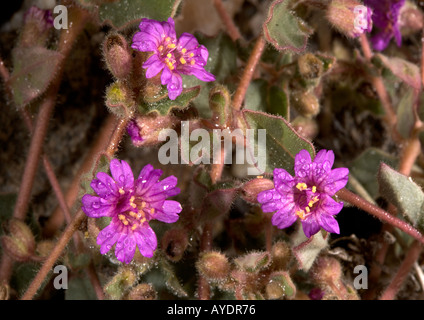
<point>306,127</point>
<point>117,55</point>
<point>349,17</point>
<point>219,102</point>
<point>326,270</point>
<point>145,130</point>
<point>174,243</point>
<point>37,24</point>
<point>19,243</point>
<point>119,100</point>
<point>310,67</point>
<point>143,291</point>
<point>410,19</point>
<point>280,286</point>
<point>213,266</point>
<point>281,256</point>
<point>305,102</point>
<point>120,283</point>
<point>252,188</point>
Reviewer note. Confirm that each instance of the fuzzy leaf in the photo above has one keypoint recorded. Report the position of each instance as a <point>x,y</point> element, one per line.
<point>80,288</point>
<point>256,95</point>
<point>171,280</point>
<point>165,105</point>
<point>33,70</point>
<point>122,13</point>
<point>279,101</point>
<point>282,142</point>
<point>405,194</point>
<point>253,262</point>
<point>365,166</point>
<point>306,250</point>
<point>284,30</point>
<point>404,70</point>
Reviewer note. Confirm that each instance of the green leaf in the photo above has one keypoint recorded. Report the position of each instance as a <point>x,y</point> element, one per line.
<point>404,70</point>
<point>282,142</point>
<point>405,194</point>
<point>33,70</point>
<point>165,105</point>
<point>80,288</point>
<point>253,262</point>
<point>122,13</point>
<point>365,166</point>
<point>307,250</point>
<point>279,100</point>
<point>284,30</point>
<point>256,95</point>
<point>406,112</point>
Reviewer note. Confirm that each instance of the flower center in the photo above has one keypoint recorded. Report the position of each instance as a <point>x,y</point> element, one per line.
<point>140,213</point>
<point>172,56</point>
<point>306,199</point>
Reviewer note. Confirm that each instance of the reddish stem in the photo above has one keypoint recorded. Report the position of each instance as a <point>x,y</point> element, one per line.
<point>404,269</point>
<point>231,28</point>
<point>248,73</point>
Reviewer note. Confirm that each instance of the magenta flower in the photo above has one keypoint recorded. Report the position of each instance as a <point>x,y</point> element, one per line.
<point>385,17</point>
<point>170,55</point>
<point>307,195</point>
<point>131,205</point>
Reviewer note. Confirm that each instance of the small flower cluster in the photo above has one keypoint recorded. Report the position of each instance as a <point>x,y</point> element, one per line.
<point>171,55</point>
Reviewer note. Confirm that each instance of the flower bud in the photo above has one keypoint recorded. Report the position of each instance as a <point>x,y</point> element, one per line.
<point>219,102</point>
<point>117,55</point>
<point>120,283</point>
<point>145,130</point>
<point>349,17</point>
<point>252,188</point>
<point>174,243</point>
<point>410,19</point>
<point>37,24</point>
<point>143,291</point>
<point>44,248</point>
<point>306,127</point>
<point>213,266</point>
<point>280,286</point>
<point>281,255</point>
<point>326,270</point>
<point>310,67</point>
<point>305,102</point>
<point>19,243</point>
<point>4,291</point>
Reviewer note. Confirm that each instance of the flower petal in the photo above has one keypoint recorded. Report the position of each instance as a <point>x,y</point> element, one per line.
<point>95,207</point>
<point>175,86</point>
<point>122,174</point>
<point>284,217</point>
<point>153,65</point>
<point>187,41</point>
<point>310,226</point>
<point>107,238</point>
<point>329,206</point>
<point>335,180</point>
<point>325,158</point>
<point>146,240</point>
<point>168,212</point>
<point>302,162</point>
<point>329,223</point>
<point>105,186</point>
<point>125,247</point>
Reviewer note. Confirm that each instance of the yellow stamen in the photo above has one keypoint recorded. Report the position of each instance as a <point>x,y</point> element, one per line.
<point>132,204</point>
<point>121,191</point>
<point>314,189</point>
<point>301,186</point>
<point>168,39</point>
<point>307,210</point>
<point>125,222</point>
<point>182,60</point>
<point>171,45</point>
<point>191,55</point>
<point>160,48</point>
<point>313,201</point>
<point>169,55</point>
<point>152,210</point>
<point>183,50</point>
<point>121,217</point>
<point>143,205</point>
<point>134,226</point>
<point>301,214</point>
<point>192,62</point>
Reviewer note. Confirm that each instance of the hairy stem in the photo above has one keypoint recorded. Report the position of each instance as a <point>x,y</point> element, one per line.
<point>379,213</point>
<point>248,73</point>
<point>232,29</point>
<point>404,269</point>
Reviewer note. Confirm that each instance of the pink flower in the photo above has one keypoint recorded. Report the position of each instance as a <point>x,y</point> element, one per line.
<point>171,56</point>
<point>307,195</point>
<point>131,204</point>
